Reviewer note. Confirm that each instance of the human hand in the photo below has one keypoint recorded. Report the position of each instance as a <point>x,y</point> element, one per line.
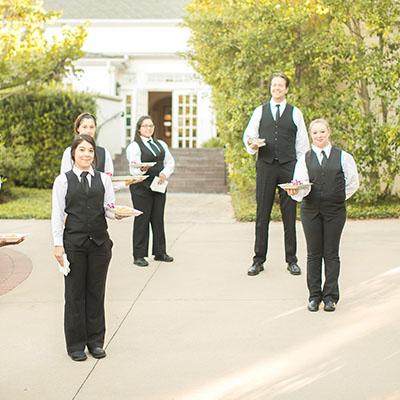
<point>134,180</point>
<point>292,192</point>
<point>162,178</point>
<point>3,242</point>
<point>254,146</point>
<point>58,253</point>
<point>119,216</point>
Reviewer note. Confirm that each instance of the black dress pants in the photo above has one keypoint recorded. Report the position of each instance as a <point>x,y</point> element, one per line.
<point>268,178</point>
<point>323,238</point>
<point>84,319</point>
<point>153,205</point>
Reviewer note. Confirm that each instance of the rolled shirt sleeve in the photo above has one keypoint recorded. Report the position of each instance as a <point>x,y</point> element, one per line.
<point>252,129</point>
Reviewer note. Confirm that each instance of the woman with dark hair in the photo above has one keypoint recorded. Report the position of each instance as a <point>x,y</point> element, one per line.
<point>86,123</point>
<point>334,178</point>
<point>145,148</point>
<point>79,197</point>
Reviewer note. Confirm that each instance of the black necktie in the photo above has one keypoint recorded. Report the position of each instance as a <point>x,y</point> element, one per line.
<point>154,147</point>
<point>324,159</point>
<point>84,181</point>
<point>277,112</point>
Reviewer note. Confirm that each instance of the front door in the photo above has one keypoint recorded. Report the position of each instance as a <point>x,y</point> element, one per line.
<point>184,119</point>
<point>160,110</point>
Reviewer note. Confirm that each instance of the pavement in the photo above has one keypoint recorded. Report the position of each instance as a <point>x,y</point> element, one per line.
<point>200,328</point>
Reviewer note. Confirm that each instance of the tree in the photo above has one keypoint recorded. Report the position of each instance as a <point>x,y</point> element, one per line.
<point>340,56</point>
<point>27,58</point>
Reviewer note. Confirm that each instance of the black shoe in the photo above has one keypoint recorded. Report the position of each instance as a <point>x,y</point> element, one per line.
<point>97,352</point>
<point>255,269</point>
<point>164,257</point>
<point>140,261</point>
<point>78,355</point>
<point>313,305</point>
<point>330,306</point>
<point>294,269</point>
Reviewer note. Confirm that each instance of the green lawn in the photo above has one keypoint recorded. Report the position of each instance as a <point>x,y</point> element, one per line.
<point>36,204</point>
<point>245,208</point>
<point>27,204</point>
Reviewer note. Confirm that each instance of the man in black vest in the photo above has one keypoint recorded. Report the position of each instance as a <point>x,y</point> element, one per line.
<point>282,127</point>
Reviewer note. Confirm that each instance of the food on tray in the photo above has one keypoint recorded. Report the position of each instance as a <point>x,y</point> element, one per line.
<point>258,141</point>
<point>123,210</point>
<point>295,184</point>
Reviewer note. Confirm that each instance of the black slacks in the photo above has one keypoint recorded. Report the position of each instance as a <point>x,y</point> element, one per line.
<point>84,319</point>
<point>323,238</point>
<point>268,178</point>
<point>153,205</point>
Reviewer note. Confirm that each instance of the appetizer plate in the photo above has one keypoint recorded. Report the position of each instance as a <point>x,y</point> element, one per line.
<point>294,185</point>
<point>127,178</point>
<point>259,142</point>
<point>142,164</point>
<point>12,237</point>
<point>124,211</point>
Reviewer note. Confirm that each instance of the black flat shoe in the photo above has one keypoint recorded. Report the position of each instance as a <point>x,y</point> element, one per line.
<point>294,269</point>
<point>313,306</point>
<point>97,352</point>
<point>164,257</point>
<point>78,355</point>
<point>140,261</point>
<point>255,269</point>
<point>330,306</point>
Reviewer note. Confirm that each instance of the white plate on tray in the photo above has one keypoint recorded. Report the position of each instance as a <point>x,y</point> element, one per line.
<point>124,211</point>
<point>12,237</point>
<point>293,186</point>
<point>259,142</point>
<point>143,164</point>
<point>127,178</point>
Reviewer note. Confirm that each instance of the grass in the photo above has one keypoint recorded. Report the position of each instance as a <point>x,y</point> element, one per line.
<point>244,204</point>
<point>36,204</point>
<point>27,203</point>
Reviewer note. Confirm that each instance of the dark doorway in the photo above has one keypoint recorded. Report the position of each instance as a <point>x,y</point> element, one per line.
<point>160,109</point>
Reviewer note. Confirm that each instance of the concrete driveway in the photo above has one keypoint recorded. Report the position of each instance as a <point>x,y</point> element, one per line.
<point>200,328</point>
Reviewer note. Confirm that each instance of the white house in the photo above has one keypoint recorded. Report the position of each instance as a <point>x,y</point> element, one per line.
<point>133,63</point>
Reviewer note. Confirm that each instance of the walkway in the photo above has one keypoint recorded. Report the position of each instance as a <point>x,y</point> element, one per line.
<point>200,328</point>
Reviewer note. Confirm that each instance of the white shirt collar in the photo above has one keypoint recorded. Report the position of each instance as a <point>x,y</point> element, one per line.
<point>274,103</point>
<point>146,139</point>
<point>318,150</point>
<point>78,171</point>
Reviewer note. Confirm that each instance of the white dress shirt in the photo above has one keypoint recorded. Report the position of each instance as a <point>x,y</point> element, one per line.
<point>60,188</point>
<point>348,166</point>
<point>133,154</point>
<point>302,144</point>
<point>67,163</point>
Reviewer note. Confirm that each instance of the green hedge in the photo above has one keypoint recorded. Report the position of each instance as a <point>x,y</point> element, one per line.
<point>42,122</point>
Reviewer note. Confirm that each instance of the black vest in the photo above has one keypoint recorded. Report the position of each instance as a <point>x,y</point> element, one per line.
<point>280,137</point>
<point>148,156</point>
<point>85,213</point>
<point>327,195</point>
<point>101,158</point>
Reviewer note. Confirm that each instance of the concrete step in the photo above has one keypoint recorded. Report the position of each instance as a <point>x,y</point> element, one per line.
<point>196,170</point>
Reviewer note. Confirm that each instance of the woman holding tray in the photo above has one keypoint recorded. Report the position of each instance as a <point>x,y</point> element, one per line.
<point>334,178</point>
<point>149,196</point>
<point>81,195</point>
